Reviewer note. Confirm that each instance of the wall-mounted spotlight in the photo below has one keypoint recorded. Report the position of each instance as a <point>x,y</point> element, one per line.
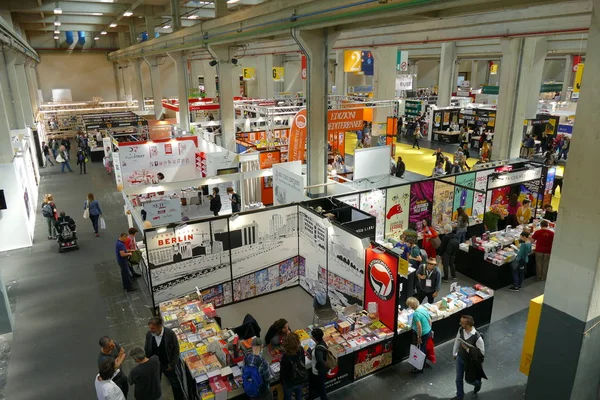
<point>213,63</point>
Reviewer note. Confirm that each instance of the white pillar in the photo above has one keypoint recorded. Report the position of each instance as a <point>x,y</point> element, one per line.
<point>24,94</point>
<point>181,72</point>
<point>6,152</point>
<point>384,85</point>
<point>474,74</point>
<point>226,93</point>
<point>138,83</point>
<point>340,75</point>
<point>210,73</point>
<point>568,336</point>
<point>155,81</point>
<point>447,67</point>
<point>567,77</point>
<point>11,58</point>
<point>264,75</point>
<point>520,82</point>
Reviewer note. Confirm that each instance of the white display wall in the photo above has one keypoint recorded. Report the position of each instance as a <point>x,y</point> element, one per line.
<point>18,220</point>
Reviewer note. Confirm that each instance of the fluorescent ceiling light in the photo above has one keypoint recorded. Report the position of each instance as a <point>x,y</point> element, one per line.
<point>57,11</point>
<point>166,26</point>
<point>103,33</point>
<point>232,1</point>
<point>97,13</point>
<point>96,38</point>
<point>55,37</point>
<point>56,32</point>
<point>128,13</point>
<point>56,23</point>
<point>113,25</point>
<point>193,17</point>
<point>106,1</point>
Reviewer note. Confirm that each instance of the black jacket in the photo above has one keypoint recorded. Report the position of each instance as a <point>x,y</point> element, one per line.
<point>171,346</point>
<point>400,169</point>
<point>287,369</point>
<point>449,244</point>
<point>474,365</point>
<point>215,203</point>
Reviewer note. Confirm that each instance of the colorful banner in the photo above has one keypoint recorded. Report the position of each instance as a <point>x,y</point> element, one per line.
<point>304,70</point>
<point>578,78</point>
<point>352,60</point>
<point>373,202</point>
<point>421,200</point>
<point>533,192</point>
<point>464,197</point>
<point>345,120</point>
<point>479,206</point>
<point>298,137</point>
<point>373,358</point>
<point>367,62</point>
<point>381,280</point>
<point>549,185</point>
<point>268,158</point>
<point>396,210</point>
<point>499,197</point>
<point>443,196</point>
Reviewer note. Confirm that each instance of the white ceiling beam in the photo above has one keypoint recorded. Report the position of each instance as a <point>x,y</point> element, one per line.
<point>31,6</point>
<point>71,27</point>
<point>64,19</point>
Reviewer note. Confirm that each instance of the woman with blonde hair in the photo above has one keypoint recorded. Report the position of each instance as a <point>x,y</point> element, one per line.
<point>91,207</point>
<point>421,325</point>
<point>63,159</point>
<point>50,212</point>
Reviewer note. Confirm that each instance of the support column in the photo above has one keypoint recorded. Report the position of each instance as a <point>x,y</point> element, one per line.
<point>474,74</point>
<point>32,85</point>
<point>24,94</point>
<point>447,67</point>
<point>183,86</point>
<point>122,40</point>
<point>210,75</point>
<point>315,44</point>
<point>151,23</point>
<point>340,75</point>
<point>226,92</point>
<point>567,348</point>
<point>6,151</point>
<point>132,32</point>
<point>520,82</point>
<point>138,83</point>
<point>384,85</point>
<point>221,9</point>
<point>11,58</point>
<point>156,84</point>
<point>567,77</point>
<point>264,73</point>
<point>175,15</point>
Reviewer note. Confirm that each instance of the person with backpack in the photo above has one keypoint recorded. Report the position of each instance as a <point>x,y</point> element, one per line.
<point>319,362</point>
<point>256,374</point>
<point>400,168</point>
<point>417,135</point>
<point>447,250</point>
<point>519,264</point>
<point>81,160</point>
<point>235,200</point>
<point>469,352</point>
<point>50,213</point>
<point>293,370</point>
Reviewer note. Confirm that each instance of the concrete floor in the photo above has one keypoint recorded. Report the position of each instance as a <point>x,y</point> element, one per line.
<point>63,303</point>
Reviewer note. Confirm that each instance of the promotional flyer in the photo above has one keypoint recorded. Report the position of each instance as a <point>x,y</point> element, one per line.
<point>373,202</point>
<point>479,206</point>
<point>549,185</point>
<point>397,206</point>
<point>163,211</point>
<point>421,199</point>
<point>442,204</point>
<point>464,197</point>
<point>381,279</point>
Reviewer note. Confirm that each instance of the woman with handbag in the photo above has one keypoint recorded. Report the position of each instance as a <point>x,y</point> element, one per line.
<point>63,159</point>
<point>431,240</point>
<point>136,254</point>
<point>519,264</point>
<point>92,210</point>
<point>421,325</point>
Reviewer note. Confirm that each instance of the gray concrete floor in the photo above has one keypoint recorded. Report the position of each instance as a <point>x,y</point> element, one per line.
<point>63,303</point>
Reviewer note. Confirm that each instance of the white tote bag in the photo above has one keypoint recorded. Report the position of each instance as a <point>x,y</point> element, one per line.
<point>60,159</point>
<point>102,223</point>
<point>416,358</point>
<point>86,212</point>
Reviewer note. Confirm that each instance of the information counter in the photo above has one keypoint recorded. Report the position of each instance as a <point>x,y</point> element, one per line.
<point>446,137</point>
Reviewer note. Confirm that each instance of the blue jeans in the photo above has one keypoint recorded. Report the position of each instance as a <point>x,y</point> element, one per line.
<point>460,374</point>
<point>288,390</point>
<point>62,168</point>
<point>94,219</point>
<point>462,235</point>
<point>124,267</point>
<point>518,276</point>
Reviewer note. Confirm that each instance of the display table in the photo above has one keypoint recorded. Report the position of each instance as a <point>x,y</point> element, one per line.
<point>97,154</point>
<point>446,137</point>
<point>473,265</point>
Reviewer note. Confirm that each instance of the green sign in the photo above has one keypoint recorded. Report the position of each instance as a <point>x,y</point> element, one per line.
<point>551,87</point>
<point>412,107</point>
<point>491,90</point>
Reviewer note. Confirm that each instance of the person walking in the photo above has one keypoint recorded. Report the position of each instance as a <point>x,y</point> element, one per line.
<point>122,259</point>
<point>430,279</point>
<point>235,200</point>
<point>55,147</point>
<point>95,213</point>
<point>256,374</point>
<point>462,224</point>
<point>114,352</point>
<point>519,264</point>
<point>400,168</point>
<point>81,160</point>
<point>447,250</point>
<point>319,362</point>
<point>468,351</point>
<point>564,151</point>
<point>543,238</point>
<point>106,388</point>
<point>50,213</point>
<point>447,166</point>
<point>63,159</point>
<point>465,151</point>
<point>46,152</point>
<point>439,156</point>
<point>145,376</point>
<point>421,325</point>
<point>162,342</point>
<point>417,135</point>
<point>215,201</point>
<point>293,371</point>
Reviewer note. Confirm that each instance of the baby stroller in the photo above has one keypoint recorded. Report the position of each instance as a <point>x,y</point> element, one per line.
<point>66,234</point>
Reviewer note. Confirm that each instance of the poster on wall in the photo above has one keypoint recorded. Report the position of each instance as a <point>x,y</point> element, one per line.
<point>373,202</point>
<point>499,197</point>
<point>373,358</point>
<point>263,238</point>
<point>464,197</point>
<point>479,206</point>
<point>281,275</point>
<point>163,212</point>
<point>351,199</point>
<point>549,185</point>
<point>312,246</point>
<point>170,160</point>
<point>288,183</point>
<point>531,191</point>
<point>219,295</point>
<point>381,280</point>
<point>346,267</point>
<point>421,200</point>
<point>443,201</point>
<point>397,206</point>
<point>196,255</point>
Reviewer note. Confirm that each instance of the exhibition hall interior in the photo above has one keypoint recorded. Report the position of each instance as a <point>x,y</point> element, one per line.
<point>299,199</point>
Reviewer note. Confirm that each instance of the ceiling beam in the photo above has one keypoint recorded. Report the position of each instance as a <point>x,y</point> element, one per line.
<point>64,19</point>
<point>33,6</point>
<point>71,27</point>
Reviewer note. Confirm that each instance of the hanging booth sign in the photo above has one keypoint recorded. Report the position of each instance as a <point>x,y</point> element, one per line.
<point>352,60</point>
<point>248,74</point>
<point>163,211</point>
<point>514,177</point>
<point>345,120</point>
<point>304,70</point>
<point>278,74</point>
<point>367,63</point>
<point>268,158</point>
<point>381,279</point>
<point>578,78</point>
<point>297,141</point>
<point>402,61</point>
<point>404,82</point>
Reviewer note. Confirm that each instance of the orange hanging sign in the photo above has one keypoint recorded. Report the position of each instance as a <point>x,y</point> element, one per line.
<point>297,142</point>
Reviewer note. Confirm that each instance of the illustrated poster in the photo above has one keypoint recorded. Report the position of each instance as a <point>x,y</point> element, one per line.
<point>346,268</point>
<point>312,249</point>
<point>479,202</point>
<point>443,197</point>
<point>464,197</point>
<point>373,202</point>
<point>549,185</point>
<point>397,206</point>
<point>421,200</point>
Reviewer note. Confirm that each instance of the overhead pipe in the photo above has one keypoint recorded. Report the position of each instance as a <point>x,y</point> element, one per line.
<point>69,37</point>
<point>81,38</point>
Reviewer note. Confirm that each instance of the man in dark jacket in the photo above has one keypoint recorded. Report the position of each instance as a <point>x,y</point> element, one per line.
<point>162,342</point>
<point>111,350</point>
<point>400,168</point>
<point>447,251</point>
<point>468,352</point>
<point>429,277</point>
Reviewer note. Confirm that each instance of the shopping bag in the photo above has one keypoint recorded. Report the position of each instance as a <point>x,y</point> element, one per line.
<point>60,159</point>
<point>430,350</point>
<point>136,257</point>
<point>86,213</point>
<point>417,357</point>
<point>102,223</point>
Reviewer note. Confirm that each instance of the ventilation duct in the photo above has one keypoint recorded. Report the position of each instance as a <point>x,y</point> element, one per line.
<point>69,36</point>
<point>80,38</point>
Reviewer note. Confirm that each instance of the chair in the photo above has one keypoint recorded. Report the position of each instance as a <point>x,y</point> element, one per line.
<point>323,312</point>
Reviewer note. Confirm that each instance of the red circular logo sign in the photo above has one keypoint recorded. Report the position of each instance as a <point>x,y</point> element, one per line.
<point>381,279</point>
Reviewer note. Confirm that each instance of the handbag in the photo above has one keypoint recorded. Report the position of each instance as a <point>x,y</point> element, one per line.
<point>86,211</point>
<point>416,358</point>
<point>60,159</point>
<point>435,242</point>
<point>136,257</point>
<point>102,223</point>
